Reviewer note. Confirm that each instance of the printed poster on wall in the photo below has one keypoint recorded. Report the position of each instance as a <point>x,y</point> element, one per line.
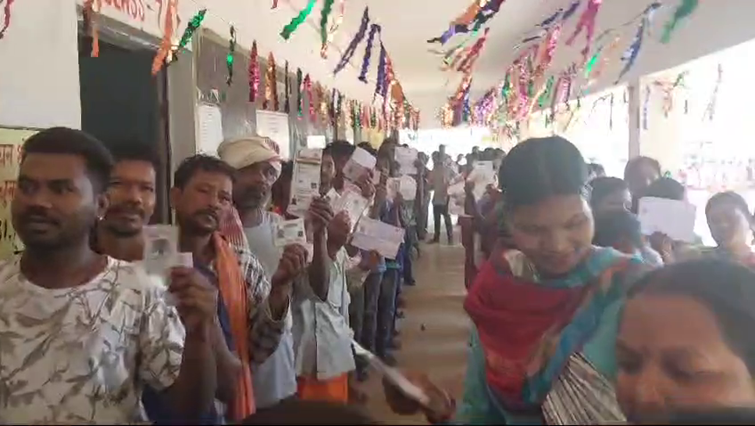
<point>11,142</point>
<point>210,129</point>
<point>274,125</point>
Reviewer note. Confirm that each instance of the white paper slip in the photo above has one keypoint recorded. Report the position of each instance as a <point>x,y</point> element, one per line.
<point>360,164</point>
<point>674,218</point>
<point>184,259</point>
<point>392,187</point>
<point>333,196</point>
<point>408,188</point>
<point>305,182</point>
<point>392,375</point>
<point>371,234</point>
<point>289,232</point>
<point>353,203</point>
<point>406,159</point>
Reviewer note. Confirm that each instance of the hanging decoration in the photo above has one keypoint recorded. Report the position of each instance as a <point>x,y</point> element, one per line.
<point>710,109</point>
<point>254,73</point>
<point>271,85</point>
<point>7,17</point>
<point>351,49</point>
<point>668,89</point>
<point>166,44</point>
<point>191,28</point>
<point>645,104</point>
<point>684,10</point>
<point>327,8</point>
<point>230,58</point>
<point>275,4</point>
<point>547,93</point>
<point>586,24</point>
<point>299,100</point>
<point>91,23</point>
<point>632,53</point>
<point>468,62</point>
<point>291,27</point>
<point>310,102</point>
<point>286,78</point>
<point>380,81</point>
<point>333,28</point>
<point>374,30</point>
<point>487,11</point>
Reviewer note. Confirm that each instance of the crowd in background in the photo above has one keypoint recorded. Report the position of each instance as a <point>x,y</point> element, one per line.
<point>578,318</point>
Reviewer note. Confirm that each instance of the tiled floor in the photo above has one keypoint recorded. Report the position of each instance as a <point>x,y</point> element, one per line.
<point>435,330</point>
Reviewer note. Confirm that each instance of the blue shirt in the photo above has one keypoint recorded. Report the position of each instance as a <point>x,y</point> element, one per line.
<point>155,403</point>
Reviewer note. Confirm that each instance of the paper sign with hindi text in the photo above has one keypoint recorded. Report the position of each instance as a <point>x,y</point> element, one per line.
<point>11,143</point>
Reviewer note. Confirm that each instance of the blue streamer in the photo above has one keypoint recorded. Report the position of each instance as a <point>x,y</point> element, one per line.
<point>486,12</point>
<point>570,10</point>
<point>382,63</point>
<point>354,42</point>
<point>374,30</point>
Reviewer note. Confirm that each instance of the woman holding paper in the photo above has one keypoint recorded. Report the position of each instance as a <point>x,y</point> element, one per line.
<point>545,315</point>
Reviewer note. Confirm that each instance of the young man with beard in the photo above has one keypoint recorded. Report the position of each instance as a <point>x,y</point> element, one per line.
<point>257,307</point>
<point>131,196</point>
<point>83,333</point>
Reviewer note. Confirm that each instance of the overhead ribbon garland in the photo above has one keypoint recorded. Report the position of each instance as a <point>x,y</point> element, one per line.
<point>483,15</point>
<point>166,43</point>
<point>334,28</point>
<point>310,102</point>
<point>351,49</point>
<point>275,4</point>
<point>291,27</point>
<point>191,28</point>
<point>271,86</point>
<point>468,62</point>
<point>299,99</point>
<point>287,105</point>
<point>586,24</point>
<point>90,23</point>
<point>374,30</point>
<point>254,73</point>
<point>683,10</point>
<point>6,17</point>
<point>230,58</point>
<point>380,81</point>
<point>632,53</point>
<point>326,10</point>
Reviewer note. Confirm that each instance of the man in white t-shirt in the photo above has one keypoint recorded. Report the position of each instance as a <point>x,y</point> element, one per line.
<point>82,333</point>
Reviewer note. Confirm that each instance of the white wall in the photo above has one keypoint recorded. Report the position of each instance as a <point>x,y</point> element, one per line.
<point>39,68</point>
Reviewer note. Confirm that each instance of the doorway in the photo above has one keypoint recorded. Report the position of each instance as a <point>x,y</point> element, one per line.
<point>121,102</point>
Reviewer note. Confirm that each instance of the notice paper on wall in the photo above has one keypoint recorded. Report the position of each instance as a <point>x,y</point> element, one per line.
<point>210,129</point>
<point>274,125</point>
<point>371,234</point>
<point>305,182</point>
<point>674,218</point>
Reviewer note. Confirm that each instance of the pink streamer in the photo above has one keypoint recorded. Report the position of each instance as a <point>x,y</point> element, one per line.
<point>586,23</point>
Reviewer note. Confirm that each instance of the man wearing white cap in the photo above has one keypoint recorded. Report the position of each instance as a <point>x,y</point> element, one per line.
<point>258,164</point>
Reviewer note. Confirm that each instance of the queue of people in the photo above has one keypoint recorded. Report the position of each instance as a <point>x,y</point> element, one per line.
<point>577,317</point>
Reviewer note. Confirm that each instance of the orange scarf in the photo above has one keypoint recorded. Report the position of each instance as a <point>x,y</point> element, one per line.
<point>233,292</point>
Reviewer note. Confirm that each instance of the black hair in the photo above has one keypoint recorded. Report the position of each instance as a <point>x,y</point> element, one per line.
<point>135,151</point>
<point>539,168</point>
<point>724,287</point>
<point>596,169</point>
<point>617,226</point>
<point>603,187</point>
<point>303,412</point>
<point>364,145</point>
<point>201,162</point>
<point>339,149</point>
<point>62,140</point>
<point>665,187</point>
<point>732,199</point>
<point>287,170</point>
<point>635,163</point>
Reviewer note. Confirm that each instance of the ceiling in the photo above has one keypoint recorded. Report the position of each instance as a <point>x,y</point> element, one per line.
<point>406,25</point>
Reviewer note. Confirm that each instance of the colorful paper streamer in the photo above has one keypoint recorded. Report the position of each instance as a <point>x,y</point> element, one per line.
<point>6,17</point>
<point>166,44</point>
<point>254,73</point>
<point>230,58</point>
<point>271,85</point>
<point>586,24</point>
<point>191,28</point>
<point>351,49</point>
<point>91,23</point>
<point>334,28</point>
<point>299,100</point>
<point>374,30</point>
<point>380,81</point>
<point>327,8</point>
<point>291,27</point>
<point>287,104</point>
<point>683,11</point>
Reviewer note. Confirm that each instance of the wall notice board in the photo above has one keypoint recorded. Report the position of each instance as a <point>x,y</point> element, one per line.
<point>11,143</point>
